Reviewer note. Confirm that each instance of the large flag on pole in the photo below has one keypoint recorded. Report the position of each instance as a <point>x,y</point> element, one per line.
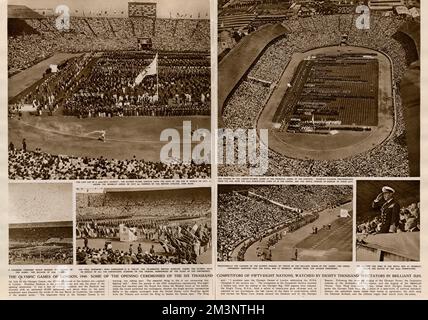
<point>150,70</point>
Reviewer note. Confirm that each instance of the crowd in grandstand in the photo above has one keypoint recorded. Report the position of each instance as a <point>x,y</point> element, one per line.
<point>38,165</point>
<point>383,36</point>
<point>61,256</point>
<point>110,90</point>
<point>409,221</point>
<point>243,219</point>
<point>89,34</point>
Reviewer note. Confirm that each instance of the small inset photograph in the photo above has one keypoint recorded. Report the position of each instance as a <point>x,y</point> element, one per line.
<point>40,224</point>
<point>143,226</point>
<point>284,223</point>
<point>388,220</point>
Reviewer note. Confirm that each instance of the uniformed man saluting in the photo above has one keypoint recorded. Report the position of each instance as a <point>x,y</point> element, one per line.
<point>389,210</point>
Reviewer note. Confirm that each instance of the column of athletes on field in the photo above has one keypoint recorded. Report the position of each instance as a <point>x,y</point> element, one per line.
<point>106,87</point>
<point>244,219</point>
<point>408,221</point>
<point>182,242</point>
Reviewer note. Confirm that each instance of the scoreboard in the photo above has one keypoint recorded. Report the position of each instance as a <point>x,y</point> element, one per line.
<point>142,9</point>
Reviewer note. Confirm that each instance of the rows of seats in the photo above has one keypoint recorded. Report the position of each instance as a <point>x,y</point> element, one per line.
<point>104,34</point>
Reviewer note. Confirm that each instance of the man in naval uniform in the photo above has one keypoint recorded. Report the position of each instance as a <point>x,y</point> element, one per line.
<point>389,210</point>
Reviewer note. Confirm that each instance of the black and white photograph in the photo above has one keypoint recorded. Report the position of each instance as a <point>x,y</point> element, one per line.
<point>143,226</point>
<point>93,84</point>
<point>40,224</point>
<point>284,223</point>
<point>336,84</point>
<point>388,220</point>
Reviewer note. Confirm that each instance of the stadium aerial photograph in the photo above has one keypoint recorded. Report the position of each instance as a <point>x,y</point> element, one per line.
<point>335,83</point>
<point>92,84</point>
<point>284,223</point>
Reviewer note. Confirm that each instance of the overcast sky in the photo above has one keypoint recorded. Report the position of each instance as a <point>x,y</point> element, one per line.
<point>164,7</point>
<point>40,202</point>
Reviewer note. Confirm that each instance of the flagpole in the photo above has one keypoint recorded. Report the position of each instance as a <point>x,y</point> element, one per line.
<point>157,77</point>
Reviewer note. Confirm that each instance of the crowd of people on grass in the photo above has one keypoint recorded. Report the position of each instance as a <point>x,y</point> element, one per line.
<point>58,256</point>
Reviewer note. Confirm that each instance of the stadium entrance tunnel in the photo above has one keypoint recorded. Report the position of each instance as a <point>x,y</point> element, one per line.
<point>330,103</point>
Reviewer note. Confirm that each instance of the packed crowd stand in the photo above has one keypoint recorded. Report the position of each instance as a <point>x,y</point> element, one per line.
<point>46,94</point>
<point>180,210</point>
<point>105,34</point>
<point>304,35</point>
<point>102,206</point>
<point>184,87</point>
<point>251,96</point>
<point>39,165</point>
<point>109,90</point>
<point>243,219</point>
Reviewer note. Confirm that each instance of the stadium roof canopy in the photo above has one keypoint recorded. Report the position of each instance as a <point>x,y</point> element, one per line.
<point>22,12</point>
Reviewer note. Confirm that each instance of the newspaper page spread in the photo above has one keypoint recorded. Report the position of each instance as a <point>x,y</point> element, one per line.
<point>223,149</point>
